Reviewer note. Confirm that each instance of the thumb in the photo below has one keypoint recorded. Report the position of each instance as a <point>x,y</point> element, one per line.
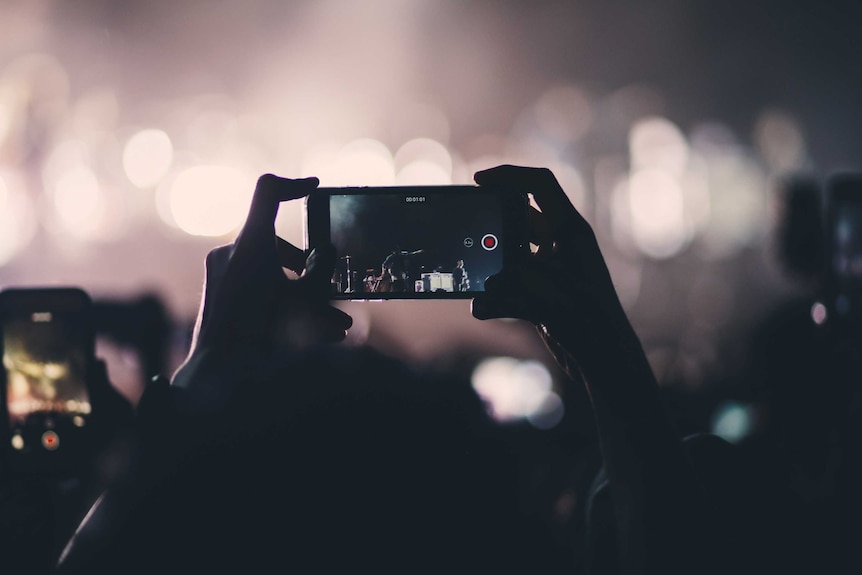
<point>486,306</point>
<point>503,298</point>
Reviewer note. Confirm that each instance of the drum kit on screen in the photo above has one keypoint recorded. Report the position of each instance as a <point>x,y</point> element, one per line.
<point>372,283</point>
<point>377,284</point>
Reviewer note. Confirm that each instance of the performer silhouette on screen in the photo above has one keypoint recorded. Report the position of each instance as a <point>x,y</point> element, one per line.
<point>397,269</point>
<point>460,280</point>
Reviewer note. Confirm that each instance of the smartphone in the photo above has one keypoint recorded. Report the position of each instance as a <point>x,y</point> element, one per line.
<point>844,246</point>
<point>417,242</point>
<point>48,346</point>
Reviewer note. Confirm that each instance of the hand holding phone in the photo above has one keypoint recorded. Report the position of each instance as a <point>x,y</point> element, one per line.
<point>250,309</point>
<point>564,287</point>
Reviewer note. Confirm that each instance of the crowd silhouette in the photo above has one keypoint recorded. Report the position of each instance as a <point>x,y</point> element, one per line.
<point>273,448</point>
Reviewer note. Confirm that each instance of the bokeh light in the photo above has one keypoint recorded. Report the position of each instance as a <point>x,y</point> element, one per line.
<point>517,389</point>
<point>732,421</point>
<point>658,143</point>
<point>79,202</point>
<point>362,162</point>
<point>84,203</point>
<point>210,200</point>
<point>423,161</point>
<point>147,157</point>
<point>423,173</point>
<point>656,216</point>
<point>738,204</point>
<point>819,313</point>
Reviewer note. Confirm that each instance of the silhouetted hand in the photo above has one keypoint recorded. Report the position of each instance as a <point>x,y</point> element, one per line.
<point>564,287</point>
<point>250,308</point>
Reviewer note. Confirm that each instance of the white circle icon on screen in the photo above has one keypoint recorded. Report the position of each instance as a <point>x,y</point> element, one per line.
<point>489,242</point>
<point>468,242</point>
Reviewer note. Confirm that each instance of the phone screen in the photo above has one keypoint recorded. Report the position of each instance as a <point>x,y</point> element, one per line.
<point>417,242</point>
<point>47,345</point>
<point>44,357</point>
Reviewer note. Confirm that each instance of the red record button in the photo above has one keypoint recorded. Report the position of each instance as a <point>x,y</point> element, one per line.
<point>489,242</point>
<point>50,440</point>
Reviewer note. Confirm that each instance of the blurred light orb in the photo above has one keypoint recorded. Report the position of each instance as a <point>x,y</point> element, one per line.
<point>819,313</point>
<point>423,150</point>
<point>79,203</point>
<point>695,188</point>
<point>423,173</point>
<point>210,201</point>
<point>737,204</point>
<point>362,162</point>
<point>162,200</point>
<point>656,142</point>
<point>514,389</point>
<point>17,219</point>
<point>147,157</point>
<point>657,215</point>
<point>732,421</point>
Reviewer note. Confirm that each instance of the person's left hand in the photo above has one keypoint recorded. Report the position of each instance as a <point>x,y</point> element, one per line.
<point>250,308</point>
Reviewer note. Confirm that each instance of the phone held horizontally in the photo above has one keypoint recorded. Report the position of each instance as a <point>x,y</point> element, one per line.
<point>417,242</point>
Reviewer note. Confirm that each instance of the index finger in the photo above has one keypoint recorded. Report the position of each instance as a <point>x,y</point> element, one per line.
<point>269,192</point>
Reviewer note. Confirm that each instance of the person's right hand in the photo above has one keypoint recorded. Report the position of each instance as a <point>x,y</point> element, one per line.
<point>564,287</point>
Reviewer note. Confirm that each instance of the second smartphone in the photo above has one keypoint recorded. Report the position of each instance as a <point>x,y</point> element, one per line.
<point>47,342</point>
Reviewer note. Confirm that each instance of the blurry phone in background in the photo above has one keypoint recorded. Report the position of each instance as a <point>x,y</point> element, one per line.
<point>417,242</point>
<point>48,348</point>
<point>844,248</point>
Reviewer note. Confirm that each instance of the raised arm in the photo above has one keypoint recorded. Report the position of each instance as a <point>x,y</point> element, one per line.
<point>565,289</point>
<point>251,318</point>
